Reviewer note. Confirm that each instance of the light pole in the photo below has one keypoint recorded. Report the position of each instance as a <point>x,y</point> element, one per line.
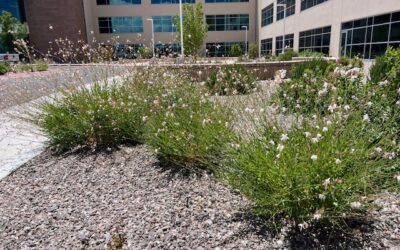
<point>246,38</point>
<point>284,24</point>
<point>152,34</point>
<point>181,21</point>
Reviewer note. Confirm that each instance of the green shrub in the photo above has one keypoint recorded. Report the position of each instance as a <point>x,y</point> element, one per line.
<point>25,68</point>
<point>192,131</point>
<point>287,56</point>
<point>318,170</point>
<point>4,68</point>
<point>318,66</point>
<point>41,66</point>
<point>102,115</point>
<point>235,50</point>
<point>144,52</point>
<point>253,51</point>
<point>379,69</point>
<point>351,62</point>
<point>318,94</point>
<point>310,53</point>
<point>231,80</point>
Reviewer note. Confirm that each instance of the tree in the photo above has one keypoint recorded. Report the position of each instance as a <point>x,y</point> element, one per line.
<point>194,28</point>
<point>10,30</point>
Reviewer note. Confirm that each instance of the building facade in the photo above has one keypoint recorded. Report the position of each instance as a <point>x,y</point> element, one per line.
<point>53,19</point>
<point>334,27</point>
<point>127,21</point>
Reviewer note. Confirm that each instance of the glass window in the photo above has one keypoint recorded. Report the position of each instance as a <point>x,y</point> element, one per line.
<point>164,24</point>
<point>317,40</point>
<point>118,2</point>
<point>171,1</point>
<point>370,37</point>
<point>267,15</point>
<point>266,46</point>
<point>121,24</point>
<point>305,4</point>
<point>279,43</point>
<point>380,33</point>
<point>227,22</point>
<point>290,9</point>
<point>395,32</point>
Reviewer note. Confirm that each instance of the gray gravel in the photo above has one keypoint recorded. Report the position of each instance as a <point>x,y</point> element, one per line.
<point>83,201</point>
<point>125,199</point>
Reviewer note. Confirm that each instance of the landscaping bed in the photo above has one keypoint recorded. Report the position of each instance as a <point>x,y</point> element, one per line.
<point>86,200</point>
<point>313,159</point>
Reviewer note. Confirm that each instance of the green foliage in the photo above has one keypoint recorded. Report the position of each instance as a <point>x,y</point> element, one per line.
<point>41,66</point>
<point>316,94</point>
<point>191,131</point>
<point>25,68</point>
<point>235,50</point>
<point>102,115</point>
<point>351,62</point>
<point>287,56</point>
<point>253,51</point>
<point>4,68</point>
<point>194,26</point>
<point>309,172</point>
<point>231,80</point>
<point>11,30</point>
<point>144,52</point>
<point>310,53</point>
<point>378,69</point>
<point>319,66</point>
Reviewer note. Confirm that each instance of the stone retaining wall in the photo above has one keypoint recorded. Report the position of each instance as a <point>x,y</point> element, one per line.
<point>263,71</point>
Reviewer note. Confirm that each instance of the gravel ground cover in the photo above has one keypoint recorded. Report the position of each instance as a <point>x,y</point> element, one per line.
<point>124,200</point>
<point>20,88</point>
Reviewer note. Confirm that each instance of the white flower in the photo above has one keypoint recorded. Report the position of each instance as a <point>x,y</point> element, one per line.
<point>325,129</point>
<point>284,137</point>
<point>378,149</point>
<point>280,147</point>
<point>321,197</point>
<point>307,134</point>
<point>355,205</point>
<point>317,216</point>
<point>347,107</point>
<point>249,110</point>
<point>279,243</point>
<point>328,122</point>
<point>50,27</point>
<point>144,118</point>
<point>369,104</point>
<point>397,177</point>
<point>366,118</point>
<point>314,157</point>
<point>338,161</point>
<point>272,142</point>
<point>314,140</point>
<point>326,182</point>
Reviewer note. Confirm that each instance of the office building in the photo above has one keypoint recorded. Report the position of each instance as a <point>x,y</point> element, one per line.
<point>332,27</point>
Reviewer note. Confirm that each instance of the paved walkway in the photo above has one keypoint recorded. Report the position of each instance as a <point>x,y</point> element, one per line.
<point>21,141</point>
